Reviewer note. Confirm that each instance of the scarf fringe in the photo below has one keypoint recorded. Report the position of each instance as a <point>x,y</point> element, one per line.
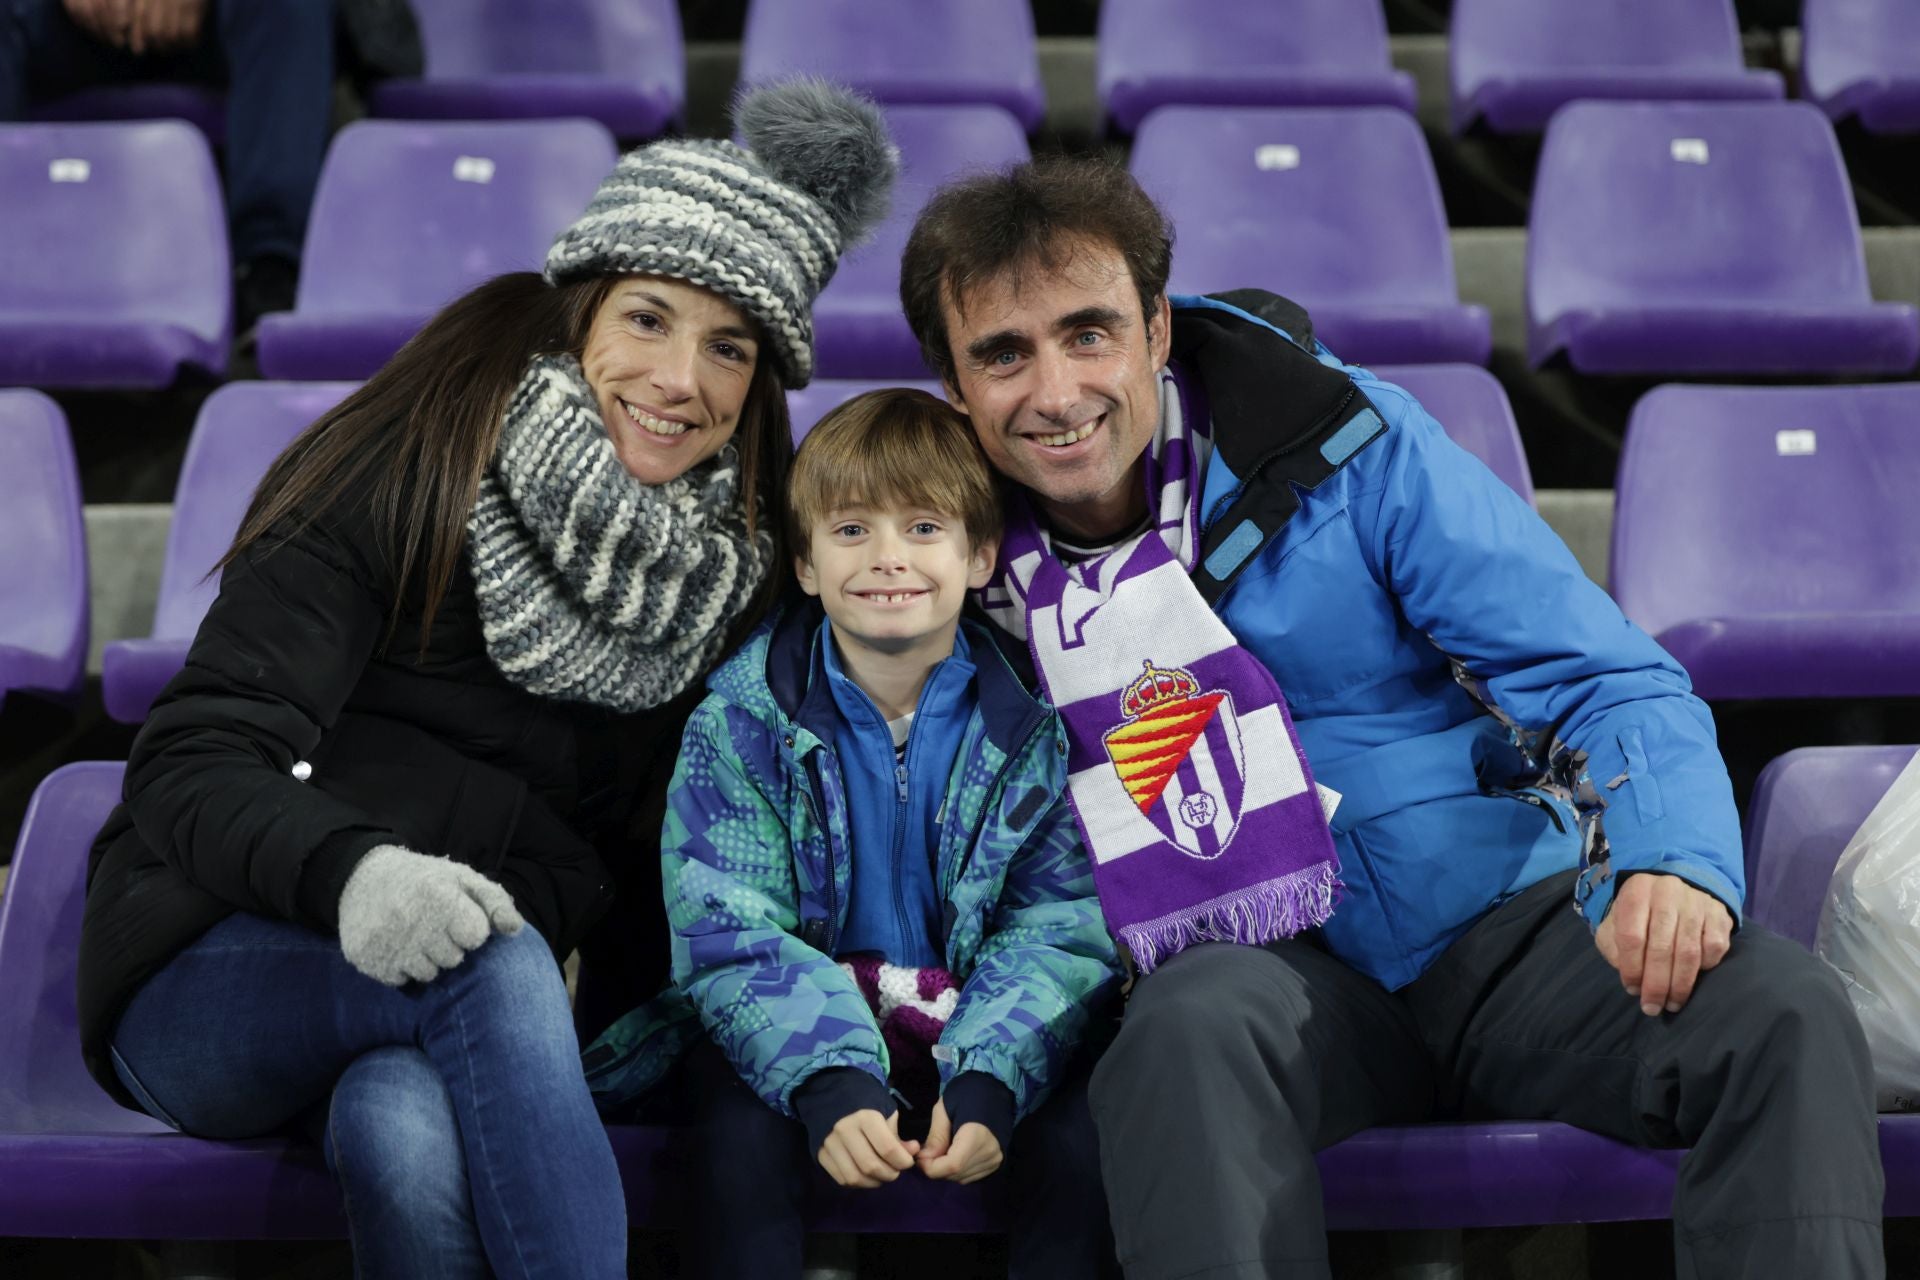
<point>1259,913</point>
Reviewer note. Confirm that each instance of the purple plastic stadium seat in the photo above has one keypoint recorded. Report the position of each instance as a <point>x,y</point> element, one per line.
<point>1671,238</point>
<point>859,330</point>
<point>1306,53</point>
<point>72,1161</point>
<point>1862,57</point>
<point>620,62</point>
<point>43,571</point>
<point>205,109</point>
<point>1338,209</point>
<point>241,429</point>
<point>114,269</point>
<point>409,216</point>
<point>810,404</point>
<point>1806,806</point>
<point>1766,536</point>
<point>1472,406</point>
<point>938,52</point>
<point>1513,63</point>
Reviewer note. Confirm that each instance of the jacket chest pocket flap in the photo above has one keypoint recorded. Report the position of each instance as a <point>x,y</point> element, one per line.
<point>1316,615</point>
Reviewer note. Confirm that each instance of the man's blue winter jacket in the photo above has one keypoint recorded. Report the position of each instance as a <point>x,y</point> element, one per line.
<point>1408,562</point>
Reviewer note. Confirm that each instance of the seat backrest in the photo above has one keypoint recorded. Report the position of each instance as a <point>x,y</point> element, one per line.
<point>1731,203</point>
<point>44,1088</point>
<point>1141,37</point>
<point>409,215</point>
<point>936,145</point>
<point>625,39</point>
<point>1846,42</point>
<point>241,429</point>
<point>929,51</point>
<point>1324,205</point>
<point>43,565</point>
<point>1806,806</point>
<point>116,221</point>
<point>1472,407</point>
<point>811,403</point>
<point>1768,501</point>
<point>1491,38</point>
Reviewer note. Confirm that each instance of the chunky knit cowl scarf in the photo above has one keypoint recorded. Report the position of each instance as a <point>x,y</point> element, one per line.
<point>594,587</point>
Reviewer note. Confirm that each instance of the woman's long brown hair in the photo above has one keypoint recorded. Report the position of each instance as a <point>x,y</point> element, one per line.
<point>426,425</point>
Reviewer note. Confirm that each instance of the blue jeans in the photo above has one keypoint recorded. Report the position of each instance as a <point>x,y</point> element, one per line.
<point>457,1119</point>
<point>276,61</point>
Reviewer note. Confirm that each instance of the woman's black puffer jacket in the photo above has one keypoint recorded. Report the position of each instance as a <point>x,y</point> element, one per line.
<point>302,661</point>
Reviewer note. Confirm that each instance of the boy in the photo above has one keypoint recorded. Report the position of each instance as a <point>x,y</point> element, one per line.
<point>869,812</point>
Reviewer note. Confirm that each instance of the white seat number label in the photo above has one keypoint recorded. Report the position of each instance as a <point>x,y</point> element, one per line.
<point>69,171</point>
<point>1688,150</point>
<point>1277,155</point>
<point>472,169</point>
<point>1791,443</point>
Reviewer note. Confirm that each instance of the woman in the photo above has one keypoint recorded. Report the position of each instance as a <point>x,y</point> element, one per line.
<point>397,779</point>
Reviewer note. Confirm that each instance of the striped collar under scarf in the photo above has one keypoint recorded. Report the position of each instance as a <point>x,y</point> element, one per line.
<point>594,587</point>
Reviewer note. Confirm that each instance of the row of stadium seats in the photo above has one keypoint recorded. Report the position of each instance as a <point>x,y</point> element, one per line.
<point>1765,535</point>
<point>75,1163</point>
<point>1513,62</point>
<point>1666,238</point>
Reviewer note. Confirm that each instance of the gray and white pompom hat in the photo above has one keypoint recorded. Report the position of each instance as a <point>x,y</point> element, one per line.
<point>762,225</point>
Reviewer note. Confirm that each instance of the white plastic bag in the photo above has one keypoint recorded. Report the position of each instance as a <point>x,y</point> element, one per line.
<point>1870,932</point>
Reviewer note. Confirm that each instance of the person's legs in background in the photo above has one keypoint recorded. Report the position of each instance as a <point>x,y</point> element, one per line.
<point>279,66</point>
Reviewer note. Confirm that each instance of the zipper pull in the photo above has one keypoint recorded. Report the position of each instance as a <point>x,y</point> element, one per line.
<point>900,776</point>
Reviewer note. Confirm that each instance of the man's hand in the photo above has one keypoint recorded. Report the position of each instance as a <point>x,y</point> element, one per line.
<point>1662,934</point>
<point>108,21</point>
<point>160,26</point>
<point>864,1150</point>
<point>967,1156</point>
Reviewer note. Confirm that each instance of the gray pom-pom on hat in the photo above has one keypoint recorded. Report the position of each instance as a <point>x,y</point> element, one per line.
<point>763,225</point>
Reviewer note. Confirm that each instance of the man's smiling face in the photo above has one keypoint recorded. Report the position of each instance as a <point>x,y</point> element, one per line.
<point>1059,374</point>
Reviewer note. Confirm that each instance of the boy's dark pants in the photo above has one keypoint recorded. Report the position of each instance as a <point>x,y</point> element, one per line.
<point>752,1174</point>
<point>1235,1064</point>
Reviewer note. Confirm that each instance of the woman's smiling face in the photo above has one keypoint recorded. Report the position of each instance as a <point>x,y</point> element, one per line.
<point>670,364</point>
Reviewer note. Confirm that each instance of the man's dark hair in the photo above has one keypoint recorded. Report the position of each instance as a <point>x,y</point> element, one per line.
<point>978,229</point>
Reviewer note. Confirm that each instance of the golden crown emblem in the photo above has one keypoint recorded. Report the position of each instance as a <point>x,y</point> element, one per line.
<point>1156,687</point>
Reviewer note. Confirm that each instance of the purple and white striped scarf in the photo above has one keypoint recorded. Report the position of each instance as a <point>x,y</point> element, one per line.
<point>1185,774</point>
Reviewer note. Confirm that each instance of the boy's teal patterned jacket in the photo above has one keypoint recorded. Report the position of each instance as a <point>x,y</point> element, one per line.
<point>756,864</point>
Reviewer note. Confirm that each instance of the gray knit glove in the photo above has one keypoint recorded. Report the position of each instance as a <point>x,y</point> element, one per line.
<point>405,916</point>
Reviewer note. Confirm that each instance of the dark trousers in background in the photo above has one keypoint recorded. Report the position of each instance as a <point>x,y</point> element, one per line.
<point>275,58</point>
<point>1235,1064</point>
<point>752,1174</point>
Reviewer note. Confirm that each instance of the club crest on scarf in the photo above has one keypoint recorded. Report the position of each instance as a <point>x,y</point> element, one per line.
<point>1179,754</point>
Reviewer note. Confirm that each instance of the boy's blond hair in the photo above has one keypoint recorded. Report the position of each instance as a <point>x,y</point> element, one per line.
<point>897,447</point>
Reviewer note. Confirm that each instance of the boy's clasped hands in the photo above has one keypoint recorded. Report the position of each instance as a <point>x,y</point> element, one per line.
<point>865,1149</point>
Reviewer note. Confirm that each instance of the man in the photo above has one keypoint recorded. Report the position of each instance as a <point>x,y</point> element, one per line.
<point>276,61</point>
<point>1535,833</point>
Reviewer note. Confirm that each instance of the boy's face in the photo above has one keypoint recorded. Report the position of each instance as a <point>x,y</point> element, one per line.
<point>892,578</point>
